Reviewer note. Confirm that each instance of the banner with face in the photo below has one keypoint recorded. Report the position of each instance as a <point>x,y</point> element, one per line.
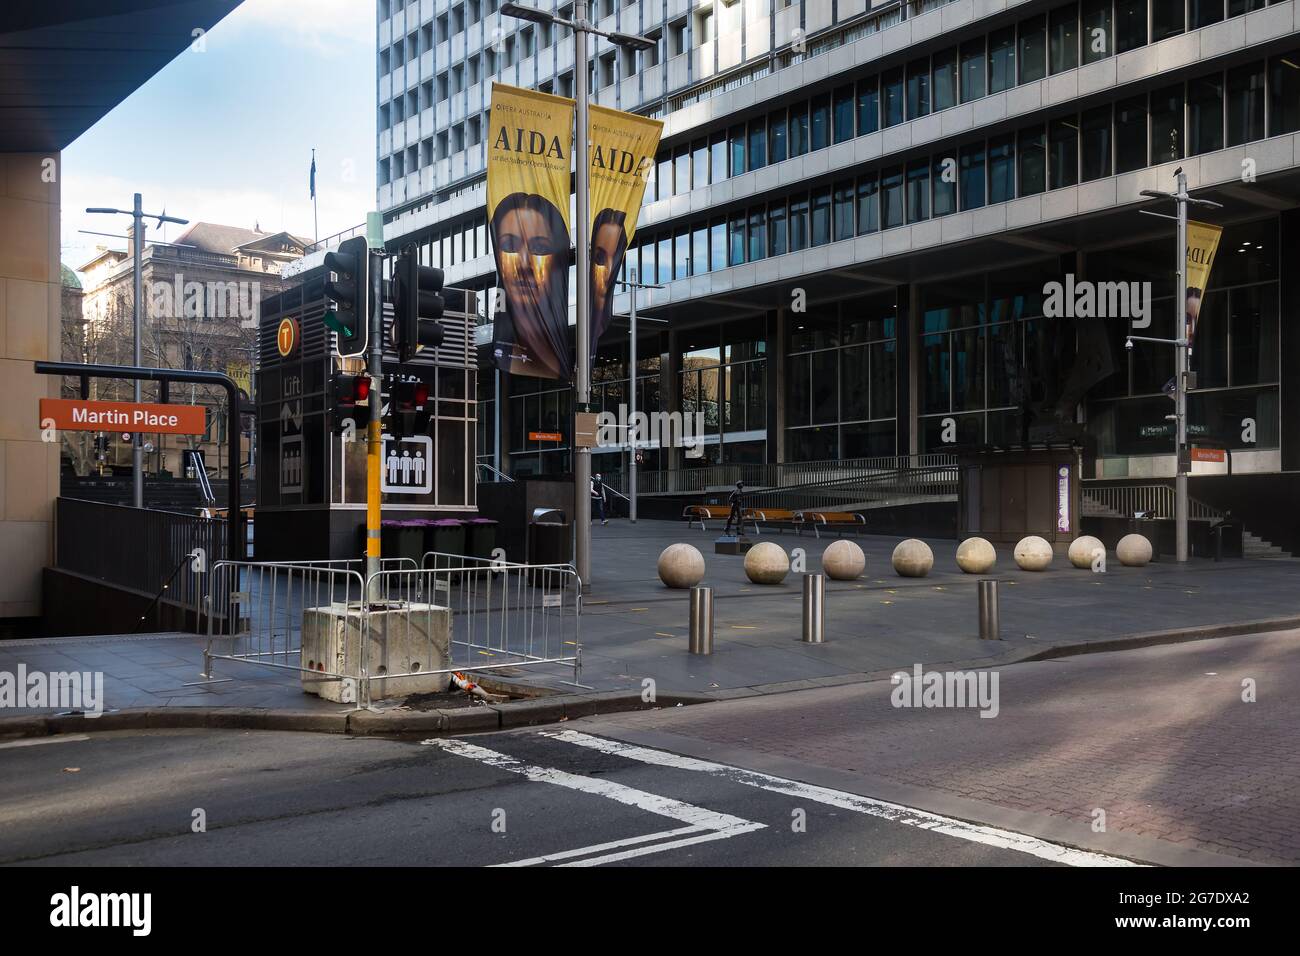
<point>1202,245</point>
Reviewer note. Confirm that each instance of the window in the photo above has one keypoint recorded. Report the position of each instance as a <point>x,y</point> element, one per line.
<point>757,234</point>
<point>1131,134</point>
<point>943,183</point>
<point>1167,18</point>
<point>798,224</point>
<point>1063,159</point>
<point>1284,94</point>
<point>718,245</point>
<point>821,216</point>
<point>699,250</point>
<point>1096,36</point>
<point>736,239</point>
<point>757,144</point>
<point>1167,124</point>
<point>1204,12</point>
<point>1130,24</point>
<point>682,256</point>
<point>842,118</point>
<point>798,129</point>
<point>972,70</point>
<point>1245,104</point>
<point>777,143</point>
<point>891,204</point>
<point>820,122</point>
<point>868,204</point>
<point>970,176</point>
<point>918,88</point>
<point>717,157</point>
<point>1033,49</point>
<point>868,106</point>
<point>893,97</point>
<point>944,85</point>
<point>1095,151</point>
<point>844,211</point>
<point>682,171</point>
<point>777,239</point>
<point>1063,39</point>
<point>664,177</point>
<point>1031,158</point>
<point>918,191</point>
<point>1205,114</point>
<point>1002,60</point>
<point>665,269</point>
<point>700,163</point>
<point>1002,169</point>
<point>737,149</point>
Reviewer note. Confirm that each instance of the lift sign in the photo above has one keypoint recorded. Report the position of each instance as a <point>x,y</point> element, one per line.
<point>70,414</point>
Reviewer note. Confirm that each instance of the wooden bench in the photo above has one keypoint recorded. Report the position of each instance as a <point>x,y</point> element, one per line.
<point>768,516</point>
<point>828,519</point>
<point>692,513</point>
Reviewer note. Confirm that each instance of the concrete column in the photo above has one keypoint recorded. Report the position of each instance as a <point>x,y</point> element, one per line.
<point>30,306</point>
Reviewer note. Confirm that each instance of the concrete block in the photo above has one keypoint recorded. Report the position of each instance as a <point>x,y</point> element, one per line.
<point>406,639</point>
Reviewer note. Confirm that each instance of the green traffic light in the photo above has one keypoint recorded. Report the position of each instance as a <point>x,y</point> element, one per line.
<point>332,321</point>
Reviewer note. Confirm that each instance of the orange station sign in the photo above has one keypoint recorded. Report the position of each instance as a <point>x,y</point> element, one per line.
<point>1209,454</point>
<point>71,414</point>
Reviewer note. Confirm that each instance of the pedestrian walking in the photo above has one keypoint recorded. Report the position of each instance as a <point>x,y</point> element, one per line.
<point>598,497</point>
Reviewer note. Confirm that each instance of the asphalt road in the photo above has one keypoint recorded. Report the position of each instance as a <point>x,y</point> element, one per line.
<point>527,798</point>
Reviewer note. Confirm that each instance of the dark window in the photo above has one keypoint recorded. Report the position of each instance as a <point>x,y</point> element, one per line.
<point>757,234</point>
<point>918,88</point>
<point>970,171</point>
<point>1096,36</point>
<point>1130,24</point>
<point>1245,104</point>
<point>798,130</point>
<point>1205,114</point>
<point>868,204</point>
<point>944,85</point>
<point>1167,124</point>
<point>821,216</point>
<point>1033,49</point>
<point>1002,169</point>
<point>1095,147</point>
<point>777,240</point>
<point>843,118</point>
<point>1002,60</point>
<point>757,144</point>
<point>737,139</point>
<point>891,205</point>
<point>1167,18</point>
<point>893,84</point>
<point>943,186</point>
<point>844,211</point>
<point>1130,134</point>
<point>799,224</point>
<point>736,235</point>
<point>821,121</point>
<point>1204,12</point>
<point>868,106</point>
<point>776,137</point>
<point>1063,39</point>
<point>1063,140</point>
<point>918,191</point>
<point>1031,158</point>
<point>972,70</point>
<point>1284,94</point>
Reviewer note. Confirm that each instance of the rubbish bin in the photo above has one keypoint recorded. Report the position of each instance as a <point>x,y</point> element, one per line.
<point>549,537</point>
<point>448,536</point>
<point>480,537</point>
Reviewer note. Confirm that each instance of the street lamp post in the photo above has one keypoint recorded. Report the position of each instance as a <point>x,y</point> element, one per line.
<point>1182,345</point>
<point>137,313</point>
<point>581,27</point>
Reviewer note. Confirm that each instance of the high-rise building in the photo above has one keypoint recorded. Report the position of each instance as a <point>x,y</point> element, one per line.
<point>858,211</point>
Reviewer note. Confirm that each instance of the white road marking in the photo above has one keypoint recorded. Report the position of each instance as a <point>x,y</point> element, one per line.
<point>896,813</point>
<point>709,824</point>
<point>38,741</point>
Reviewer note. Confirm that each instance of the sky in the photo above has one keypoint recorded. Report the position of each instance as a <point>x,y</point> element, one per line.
<point>225,133</point>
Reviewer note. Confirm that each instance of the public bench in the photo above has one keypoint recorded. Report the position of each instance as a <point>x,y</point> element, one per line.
<point>768,516</point>
<point>828,519</point>
<point>693,513</point>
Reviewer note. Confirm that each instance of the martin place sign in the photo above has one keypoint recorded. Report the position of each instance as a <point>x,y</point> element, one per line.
<point>71,414</point>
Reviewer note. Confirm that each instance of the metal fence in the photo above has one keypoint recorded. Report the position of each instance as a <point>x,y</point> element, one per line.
<point>382,635</point>
<point>1127,500</point>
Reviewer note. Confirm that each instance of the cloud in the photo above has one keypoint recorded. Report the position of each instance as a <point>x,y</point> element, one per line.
<point>327,27</point>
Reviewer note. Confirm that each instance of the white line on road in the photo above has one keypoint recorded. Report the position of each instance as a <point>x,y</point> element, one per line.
<point>896,813</point>
<point>718,826</point>
<point>38,741</point>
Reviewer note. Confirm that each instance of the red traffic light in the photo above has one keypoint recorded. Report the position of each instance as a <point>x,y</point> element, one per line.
<point>361,388</point>
<point>421,393</point>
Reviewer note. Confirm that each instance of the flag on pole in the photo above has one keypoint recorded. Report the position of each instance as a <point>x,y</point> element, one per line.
<point>313,174</point>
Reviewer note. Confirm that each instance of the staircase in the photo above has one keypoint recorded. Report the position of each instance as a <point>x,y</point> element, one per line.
<point>1255,547</point>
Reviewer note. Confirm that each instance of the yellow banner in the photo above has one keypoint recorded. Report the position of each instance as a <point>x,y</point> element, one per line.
<point>530,135</point>
<point>622,147</point>
<point>1202,246</point>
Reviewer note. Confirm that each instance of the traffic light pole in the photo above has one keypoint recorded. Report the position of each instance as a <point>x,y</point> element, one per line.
<point>374,433</point>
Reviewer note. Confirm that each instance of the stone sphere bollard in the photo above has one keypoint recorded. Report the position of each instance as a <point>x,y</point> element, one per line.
<point>1082,551</point>
<point>1033,553</point>
<point>681,566</point>
<point>913,558</point>
<point>976,556</point>
<point>843,561</point>
<point>767,563</point>
<point>1133,551</point>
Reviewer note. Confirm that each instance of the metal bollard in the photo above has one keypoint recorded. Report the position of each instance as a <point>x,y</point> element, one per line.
<point>814,608</point>
<point>701,640</point>
<point>990,625</point>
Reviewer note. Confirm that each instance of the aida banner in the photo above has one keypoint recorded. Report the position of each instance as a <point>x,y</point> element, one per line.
<point>1202,245</point>
<point>528,174</point>
<point>622,147</point>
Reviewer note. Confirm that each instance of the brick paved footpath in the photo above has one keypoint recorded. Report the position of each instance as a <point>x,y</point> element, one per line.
<point>1158,737</point>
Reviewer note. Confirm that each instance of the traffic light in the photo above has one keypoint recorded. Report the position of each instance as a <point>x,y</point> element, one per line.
<point>352,399</point>
<point>351,297</point>
<point>409,409</point>
<point>417,305</point>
